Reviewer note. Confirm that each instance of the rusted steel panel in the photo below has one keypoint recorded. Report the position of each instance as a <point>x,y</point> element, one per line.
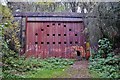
<point>68,40</point>
<point>56,39</point>
<point>50,39</point>
<point>30,40</point>
<point>39,40</point>
<point>43,40</point>
<point>53,42</point>
<point>47,25</point>
<point>60,40</point>
<point>53,39</point>
<point>62,35</point>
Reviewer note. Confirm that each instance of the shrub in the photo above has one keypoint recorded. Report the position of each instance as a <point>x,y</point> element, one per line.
<point>105,62</point>
<point>105,47</point>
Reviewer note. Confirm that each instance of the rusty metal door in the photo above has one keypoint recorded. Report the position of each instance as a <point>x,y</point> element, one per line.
<point>53,39</point>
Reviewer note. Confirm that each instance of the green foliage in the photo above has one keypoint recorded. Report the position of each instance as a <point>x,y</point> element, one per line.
<point>15,66</point>
<point>3,44</point>
<point>9,29</point>
<point>11,76</point>
<point>107,67</point>
<point>105,47</point>
<point>45,73</point>
<point>7,34</point>
<point>22,65</point>
<point>51,67</point>
<point>54,63</point>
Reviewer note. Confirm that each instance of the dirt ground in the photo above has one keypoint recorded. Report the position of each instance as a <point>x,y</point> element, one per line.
<point>78,70</point>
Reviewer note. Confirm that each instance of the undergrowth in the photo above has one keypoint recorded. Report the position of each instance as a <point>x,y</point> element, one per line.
<point>17,68</point>
<point>104,61</point>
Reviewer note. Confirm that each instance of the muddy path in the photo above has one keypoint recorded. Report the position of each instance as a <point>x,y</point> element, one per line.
<point>78,70</point>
